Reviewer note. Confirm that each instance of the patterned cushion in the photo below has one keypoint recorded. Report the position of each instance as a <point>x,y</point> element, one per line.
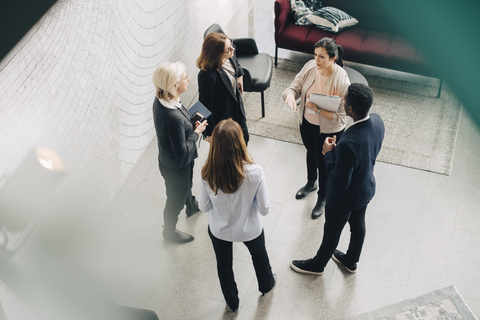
<point>301,9</point>
<point>331,19</point>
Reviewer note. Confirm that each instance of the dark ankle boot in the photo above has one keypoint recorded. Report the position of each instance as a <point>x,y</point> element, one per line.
<point>306,189</point>
<point>176,236</point>
<point>319,208</point>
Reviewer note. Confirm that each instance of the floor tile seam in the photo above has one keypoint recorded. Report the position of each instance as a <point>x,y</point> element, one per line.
<point>362,310</point>
<point>279,143</point>
<point>269,235</point>
<point>343,291</point>
<point>455,223</point>
<point>468,231</point>
<point>242,301</point>
<point>431,262</point>
<point>410,268</point>
<point>445,280</point>
<point>384,217</point>
<point>130,197</point>
<point>427,197</point>
<point>282,243</point>
<point>410,274</point>
<point>403,217</point>
<point>388,214</point>
<point>469,196</point>
<point>369,273</point>
<point>372,276</point>
<point>431,184</point>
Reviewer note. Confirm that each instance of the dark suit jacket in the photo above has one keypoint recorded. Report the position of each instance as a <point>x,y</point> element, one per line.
<point>216,93</point>
<point>350,180</point>
<point>175,135</point>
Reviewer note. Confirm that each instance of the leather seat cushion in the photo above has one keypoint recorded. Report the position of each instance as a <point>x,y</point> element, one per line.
<point>260,67</point>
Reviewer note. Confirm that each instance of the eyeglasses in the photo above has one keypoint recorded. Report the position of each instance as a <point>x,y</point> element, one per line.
<point>230,49</point>
<point>182,78</point>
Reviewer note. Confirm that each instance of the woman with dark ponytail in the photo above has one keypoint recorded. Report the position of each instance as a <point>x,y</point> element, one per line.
<point>325,75</point>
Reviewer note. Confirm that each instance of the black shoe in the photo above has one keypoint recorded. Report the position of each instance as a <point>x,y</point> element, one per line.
<point>274,283</point>
<point>232,309</point>
<point>340,257</point>
<point>191,211</point>
<point>304,266</point>
<point>177,236</point>
<point>306,189</point>
<point>319,208</point>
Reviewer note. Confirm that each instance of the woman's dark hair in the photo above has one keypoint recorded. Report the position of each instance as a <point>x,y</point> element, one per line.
<point>333,49</point>
<point>212,49</point>
<point>223,169</point>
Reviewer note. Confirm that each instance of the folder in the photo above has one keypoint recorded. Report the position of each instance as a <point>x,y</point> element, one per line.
<point>325,102</point>
<point>199,107</point>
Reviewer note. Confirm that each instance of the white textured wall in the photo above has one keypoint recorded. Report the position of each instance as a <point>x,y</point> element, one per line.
<point>80,83</point>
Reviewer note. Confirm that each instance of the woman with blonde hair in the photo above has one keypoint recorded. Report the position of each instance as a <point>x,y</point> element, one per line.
<point>177,137</point>
<point>220,82</point>
<point>234,193</point>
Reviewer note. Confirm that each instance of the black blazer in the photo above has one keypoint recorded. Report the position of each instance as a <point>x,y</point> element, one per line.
<point>216,93</point>
<point>175,135</point>
<point>350,180</point>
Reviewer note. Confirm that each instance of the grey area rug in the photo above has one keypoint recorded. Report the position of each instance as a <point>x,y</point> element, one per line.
<point>421,130</point>
<point>444,303</point>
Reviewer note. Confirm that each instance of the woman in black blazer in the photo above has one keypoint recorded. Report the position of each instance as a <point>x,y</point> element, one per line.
<point>220,82</point>
<point>177,147</point>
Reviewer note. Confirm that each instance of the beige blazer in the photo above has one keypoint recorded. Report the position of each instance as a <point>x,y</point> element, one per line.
<point>336,85</point>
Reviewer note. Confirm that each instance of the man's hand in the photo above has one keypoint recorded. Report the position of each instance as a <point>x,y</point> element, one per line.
<point>329,144</point>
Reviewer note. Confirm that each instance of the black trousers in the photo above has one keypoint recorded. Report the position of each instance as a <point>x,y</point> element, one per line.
<point>313,142</point>
<point>178,183</point>
<point>243,124</point>
<point>224,254</point>
<point>332,230</point>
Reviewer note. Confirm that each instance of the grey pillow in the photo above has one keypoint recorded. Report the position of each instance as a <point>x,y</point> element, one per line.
<point>302,8</point>
<point>331,19</point>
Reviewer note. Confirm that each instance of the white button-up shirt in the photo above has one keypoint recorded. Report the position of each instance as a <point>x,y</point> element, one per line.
<point>236,217</point>
<point>171,104</point>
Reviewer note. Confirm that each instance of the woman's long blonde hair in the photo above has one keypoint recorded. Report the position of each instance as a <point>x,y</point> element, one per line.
<point>223,169</point>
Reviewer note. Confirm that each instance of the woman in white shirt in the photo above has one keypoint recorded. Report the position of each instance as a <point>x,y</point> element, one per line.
<point>234,193</point>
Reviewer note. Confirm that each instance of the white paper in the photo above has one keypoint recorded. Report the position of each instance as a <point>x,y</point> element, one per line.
<point>325,102</point>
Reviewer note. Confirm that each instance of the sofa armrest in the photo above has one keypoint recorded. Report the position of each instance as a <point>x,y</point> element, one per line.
<point>245,46</point>
<point>282,13</point>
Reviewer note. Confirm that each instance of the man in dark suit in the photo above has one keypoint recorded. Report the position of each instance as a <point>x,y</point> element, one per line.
<point>350,183</point>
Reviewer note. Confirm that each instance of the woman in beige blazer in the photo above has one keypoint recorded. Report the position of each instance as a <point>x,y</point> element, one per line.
<point>325,75</point>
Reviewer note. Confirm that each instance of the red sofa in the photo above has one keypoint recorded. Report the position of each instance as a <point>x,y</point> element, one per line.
<point>374,40</point>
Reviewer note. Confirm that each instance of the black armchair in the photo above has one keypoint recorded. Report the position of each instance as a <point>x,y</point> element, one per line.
<point>257,67</point>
